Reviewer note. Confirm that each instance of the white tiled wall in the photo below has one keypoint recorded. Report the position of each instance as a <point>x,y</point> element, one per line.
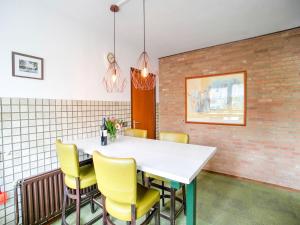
<point>29,128</point>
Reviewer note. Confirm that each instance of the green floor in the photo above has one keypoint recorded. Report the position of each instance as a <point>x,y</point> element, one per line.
<point>223,200</point>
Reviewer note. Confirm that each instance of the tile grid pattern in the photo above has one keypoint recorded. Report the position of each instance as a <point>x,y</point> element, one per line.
<point>29,128</point>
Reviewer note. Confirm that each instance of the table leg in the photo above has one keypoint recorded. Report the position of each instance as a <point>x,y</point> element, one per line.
<point>176,185</point>
<point>191,198</point>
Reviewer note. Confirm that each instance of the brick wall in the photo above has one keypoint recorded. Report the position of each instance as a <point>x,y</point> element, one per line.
<point>268,148</point>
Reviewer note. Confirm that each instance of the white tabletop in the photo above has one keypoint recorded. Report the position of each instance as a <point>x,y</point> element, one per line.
<point>174,161</point>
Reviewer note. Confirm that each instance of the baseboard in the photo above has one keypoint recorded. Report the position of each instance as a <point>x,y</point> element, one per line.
<point>254,181</point>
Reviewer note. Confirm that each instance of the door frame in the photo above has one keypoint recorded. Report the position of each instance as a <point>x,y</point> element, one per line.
<point>131,105</point>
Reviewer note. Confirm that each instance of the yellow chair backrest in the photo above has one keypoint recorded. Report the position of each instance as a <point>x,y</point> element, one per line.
<point>68,158</point>
<point>174,137</point>
<point>116,178</point>
<point>136,133</point>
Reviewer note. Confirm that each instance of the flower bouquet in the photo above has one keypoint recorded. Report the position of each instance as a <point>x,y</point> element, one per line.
<point>113,126</point>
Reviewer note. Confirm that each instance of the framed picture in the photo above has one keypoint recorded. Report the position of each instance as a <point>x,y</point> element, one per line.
<point>216,99</point>
<point>27,66</point>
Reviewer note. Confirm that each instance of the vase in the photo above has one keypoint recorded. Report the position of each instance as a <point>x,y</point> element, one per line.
<point>112,137</point>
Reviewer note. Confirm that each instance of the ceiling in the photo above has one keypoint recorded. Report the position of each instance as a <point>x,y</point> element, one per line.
<point>175,26</point>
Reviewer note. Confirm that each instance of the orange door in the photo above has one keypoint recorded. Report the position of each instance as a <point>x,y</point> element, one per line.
<point>143,110</point>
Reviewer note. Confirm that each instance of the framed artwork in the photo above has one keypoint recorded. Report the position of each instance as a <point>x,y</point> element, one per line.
<point>27,66</point>
<point>216,99</point>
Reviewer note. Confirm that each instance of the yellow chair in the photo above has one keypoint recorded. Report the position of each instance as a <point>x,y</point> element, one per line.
<point>75,178</point>
<point>122,197</point>
<point>149,178</point>
<point>136,133</point>
<point>174,137</point>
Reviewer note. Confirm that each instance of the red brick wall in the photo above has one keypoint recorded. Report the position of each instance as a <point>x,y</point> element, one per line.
<point>268,148</point>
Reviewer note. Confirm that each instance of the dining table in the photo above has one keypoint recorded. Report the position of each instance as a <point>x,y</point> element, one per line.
<point>178,162</point>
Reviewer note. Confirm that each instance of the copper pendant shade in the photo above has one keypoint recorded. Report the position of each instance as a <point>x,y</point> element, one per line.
<point>143,78</point>
<point>113,80</point>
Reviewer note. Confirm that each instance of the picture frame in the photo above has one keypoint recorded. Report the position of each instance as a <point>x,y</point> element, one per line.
<point>27,66</point>
<point>219,99</point>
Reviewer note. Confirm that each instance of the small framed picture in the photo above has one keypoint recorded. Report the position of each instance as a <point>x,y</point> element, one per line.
<point>27,66</point>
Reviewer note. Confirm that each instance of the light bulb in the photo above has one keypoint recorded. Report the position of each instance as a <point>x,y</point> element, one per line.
<point>145,72</point>
<point>114,78</point>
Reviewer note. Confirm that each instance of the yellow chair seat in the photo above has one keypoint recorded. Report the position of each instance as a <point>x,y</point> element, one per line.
<point>146,198</point>
<point>150,175</point>
<point>87,177</point>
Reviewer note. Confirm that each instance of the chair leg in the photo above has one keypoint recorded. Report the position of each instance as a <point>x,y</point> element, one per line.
<point>184,199</point>
<point>173,207</point>
<point>133,215</point>
<point>163,193</point>
<point>157,216</point>
<point>77,207</point>
<point>63,216</point>
<point>78,201</point>
<point>104,211</point>
<point>92,204</point>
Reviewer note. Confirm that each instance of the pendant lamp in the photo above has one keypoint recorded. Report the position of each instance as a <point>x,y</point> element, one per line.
<point>113,80</point>
<point>143,79</point>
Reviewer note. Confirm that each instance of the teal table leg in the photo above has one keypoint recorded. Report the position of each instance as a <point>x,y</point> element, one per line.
<point>176,185</point>
<point>191,198</point>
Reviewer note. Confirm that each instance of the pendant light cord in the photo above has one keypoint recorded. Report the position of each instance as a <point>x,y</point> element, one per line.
<point>115,41</point>
<point>144,12</point>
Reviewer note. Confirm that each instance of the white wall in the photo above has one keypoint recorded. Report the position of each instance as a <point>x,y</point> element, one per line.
<point>74,54</point>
